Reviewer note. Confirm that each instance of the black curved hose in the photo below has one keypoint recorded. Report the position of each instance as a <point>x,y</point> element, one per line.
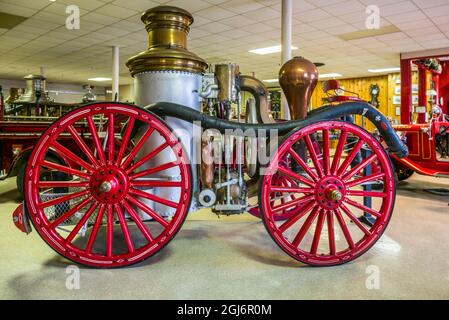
<point>396,146</point>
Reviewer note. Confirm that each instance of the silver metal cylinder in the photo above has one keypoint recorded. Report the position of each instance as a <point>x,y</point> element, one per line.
<point>176,87</point>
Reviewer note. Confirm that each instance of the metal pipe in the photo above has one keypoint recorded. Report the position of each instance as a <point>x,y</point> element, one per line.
<point>422,94</point>
<point>329,112</point>
<point>115,73</point>
<point>406,91</point>
<point>260,93</point>
<point>286,47</point>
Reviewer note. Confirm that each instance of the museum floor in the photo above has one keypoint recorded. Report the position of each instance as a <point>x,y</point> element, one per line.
<point>234,258</point>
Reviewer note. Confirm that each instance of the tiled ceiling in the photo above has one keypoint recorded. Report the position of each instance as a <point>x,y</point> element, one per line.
<point>224,30</point>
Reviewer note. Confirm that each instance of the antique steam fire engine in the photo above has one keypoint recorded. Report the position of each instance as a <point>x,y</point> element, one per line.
<point>22,120</point>
<point>136,171</point>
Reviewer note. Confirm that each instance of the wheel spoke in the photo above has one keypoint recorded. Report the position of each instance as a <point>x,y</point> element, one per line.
<point>138,221</point>
<point>156,183</point>
<point>82,222</point>
<point>150,171</point>
<point>363,207</point>
<point>355,220</point>
<point>314,156</point>
<point>344,228</point>
<point>372,177</point>
<point>317,235</point>
<point>285,183</point>
<point>124,226</point>
<point>65,169</point>
<point>111,138</point>
<point>331,232</point>
<point>137,148</point>
<point>71,212</point>
<point>147,210</point>
<point>87,151</point>
<point>291,181</point>
<point>70,155</point>
<point>291,189</point>
<point>147,157</point>
<point>68,197</point>
<point>296,176</point>
<point>110,231</point>
<point>62,184</point>
<point>303,164</point>
<point>326,152</point>
<point>359,167</point>
<point>362,193</point>
<point>93,234</point>
<point>350,157</point>
<point>290,204</point>
<point>128,131</point>
<point>339,152</point>
<point>96,139</point>
<point>305,227</point>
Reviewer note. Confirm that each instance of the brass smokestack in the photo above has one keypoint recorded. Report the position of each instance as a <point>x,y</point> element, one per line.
<point>298,78</point>
<point>167,29</point>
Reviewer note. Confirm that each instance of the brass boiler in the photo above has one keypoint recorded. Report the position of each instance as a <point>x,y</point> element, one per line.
<point>35,86</point>
<point>168,72</point>
<point>298,78</point>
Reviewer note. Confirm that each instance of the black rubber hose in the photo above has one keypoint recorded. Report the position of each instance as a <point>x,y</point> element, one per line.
<point>395,145</point>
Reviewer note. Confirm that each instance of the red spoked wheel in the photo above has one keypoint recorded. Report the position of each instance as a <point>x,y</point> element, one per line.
<point>107,210</point>
<point>328,192</point>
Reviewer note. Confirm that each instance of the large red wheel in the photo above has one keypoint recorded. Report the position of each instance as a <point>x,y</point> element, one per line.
<point>109,213</point>
<point>328,192</point>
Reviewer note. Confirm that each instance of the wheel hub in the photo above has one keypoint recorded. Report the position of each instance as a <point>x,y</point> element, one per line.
<point>330,191</point>
<point>105,186</point>
<point>109,184</point>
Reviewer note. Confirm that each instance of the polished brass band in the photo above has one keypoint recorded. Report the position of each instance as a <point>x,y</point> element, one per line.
<point>167,29</point>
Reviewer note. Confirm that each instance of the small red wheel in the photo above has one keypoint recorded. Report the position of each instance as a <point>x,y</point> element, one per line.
<point>328,193</point>
<point>109,213</point>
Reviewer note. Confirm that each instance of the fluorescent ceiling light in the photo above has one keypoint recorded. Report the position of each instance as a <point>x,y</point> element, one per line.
<point>99,79</point>
<point>269,50</point>
<point>330,75</point>
<point>384,70</point>
<point>270,80</point>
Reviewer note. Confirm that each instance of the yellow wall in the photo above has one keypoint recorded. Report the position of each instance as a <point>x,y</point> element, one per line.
<point>361,87</point>
<point>387,84</point>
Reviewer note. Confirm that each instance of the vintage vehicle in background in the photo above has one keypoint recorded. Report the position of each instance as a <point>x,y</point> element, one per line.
<point>136,171</point>
<point>425,133</point>
<point>23,118</point>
